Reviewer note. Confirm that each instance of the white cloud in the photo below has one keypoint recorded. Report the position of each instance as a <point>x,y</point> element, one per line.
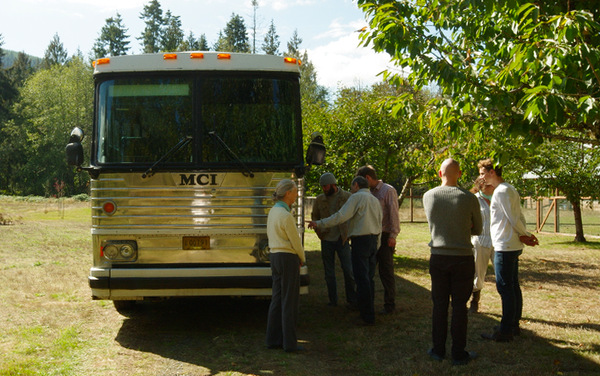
<point>285,4</point>
<point>342,63</point>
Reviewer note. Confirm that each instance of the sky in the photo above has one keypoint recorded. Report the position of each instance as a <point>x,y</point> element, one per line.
<point>327,29</point>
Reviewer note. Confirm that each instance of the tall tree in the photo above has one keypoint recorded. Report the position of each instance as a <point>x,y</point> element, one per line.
<point>255,8</point>
<point>113,39</point>
<point>271,42</point>
<point>236,35</point>
<point>530,67</point>
<point>52,102</point>
<point>152,34</point>
<point>310,89</point>
<point>172,36</point>
<point>55,54</point>
<point>21,69</point>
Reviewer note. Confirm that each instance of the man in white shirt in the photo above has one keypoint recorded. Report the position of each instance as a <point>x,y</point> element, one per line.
<point>508,231</point>
<point>363,213</point>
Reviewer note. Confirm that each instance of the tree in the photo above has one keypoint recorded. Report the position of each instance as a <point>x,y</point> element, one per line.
<point>172,36</point>
<point>113,39</point>
<point>513,69</point>
<point>55,54</point>
<point>358,129</point>
<point>193,44</point>
<point>271,42</point>
<point>152,34</point>
<point>527,67</point>
<point>52,102</point>
<point>21,69</point>
<point>255,7</point>
<point>235,35</point>
<point>310,90</point>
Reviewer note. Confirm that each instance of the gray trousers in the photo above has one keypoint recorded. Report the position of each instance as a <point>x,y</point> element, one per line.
<point>283,311</point>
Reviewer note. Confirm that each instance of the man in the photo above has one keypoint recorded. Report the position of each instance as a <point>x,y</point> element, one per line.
<point>363,214</point>
<point>334,239</point>
<point>482,244</point>
<point>453,216</point>
<point>390,227</point>
<point>508,231</point>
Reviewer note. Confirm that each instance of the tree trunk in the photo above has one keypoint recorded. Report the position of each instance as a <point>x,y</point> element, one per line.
<point>405,189</point>
<point>578,221</point>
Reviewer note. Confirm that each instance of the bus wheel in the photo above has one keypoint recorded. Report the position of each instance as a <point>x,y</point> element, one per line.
<point>126,308</point>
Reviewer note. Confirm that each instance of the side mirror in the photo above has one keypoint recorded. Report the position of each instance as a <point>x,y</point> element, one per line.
<point>315,155</point>
<point>74,148</point>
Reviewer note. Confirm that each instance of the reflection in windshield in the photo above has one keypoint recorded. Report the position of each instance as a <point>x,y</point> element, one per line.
<point>140,119</point>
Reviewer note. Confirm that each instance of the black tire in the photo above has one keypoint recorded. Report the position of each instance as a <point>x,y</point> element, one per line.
<point>126,308</point>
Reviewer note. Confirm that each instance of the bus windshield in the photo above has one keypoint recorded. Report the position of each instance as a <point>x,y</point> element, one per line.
<point>257,120</point>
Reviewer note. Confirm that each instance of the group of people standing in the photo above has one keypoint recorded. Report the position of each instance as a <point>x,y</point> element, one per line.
<point>361,227</point>
<point>498,229</point>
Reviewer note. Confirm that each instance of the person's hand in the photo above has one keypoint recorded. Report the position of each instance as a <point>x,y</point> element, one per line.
<point>391,242</point>
<point>531,241</point>
<point>312,225</point>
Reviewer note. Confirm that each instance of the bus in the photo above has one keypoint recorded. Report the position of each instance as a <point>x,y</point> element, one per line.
<point>186,149</point>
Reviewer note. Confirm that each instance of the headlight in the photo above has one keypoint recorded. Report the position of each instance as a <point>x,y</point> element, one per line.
<point>120,250</point>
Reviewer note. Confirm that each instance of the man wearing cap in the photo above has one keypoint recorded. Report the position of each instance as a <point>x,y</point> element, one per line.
<point>334,239</point>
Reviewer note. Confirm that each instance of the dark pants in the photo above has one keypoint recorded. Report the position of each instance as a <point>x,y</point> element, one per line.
<point>328,251</point>
<point>364,249</point>
<point>451,276</point>
<point>283,311</point>
<point>385,261</point>
<point>506,265</point>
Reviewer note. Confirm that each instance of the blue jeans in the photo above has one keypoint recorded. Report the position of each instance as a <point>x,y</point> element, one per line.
<point>507,283</point>
<point>364,262</point>
<point>328,251</point>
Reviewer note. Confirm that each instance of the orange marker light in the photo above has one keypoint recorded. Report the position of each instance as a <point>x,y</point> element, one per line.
<point>290,60</point>
<point>170,56</point>
<point>196,55</point>
<point>104,60</point>
<point>224,56</point>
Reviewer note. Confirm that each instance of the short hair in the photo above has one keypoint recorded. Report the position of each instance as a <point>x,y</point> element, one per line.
<point>282,188</point>
<point>488,164</point>
<point>367,170</point>
<point>361,181</point>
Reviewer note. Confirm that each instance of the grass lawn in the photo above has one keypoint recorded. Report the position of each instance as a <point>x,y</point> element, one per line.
<point>50,326</point>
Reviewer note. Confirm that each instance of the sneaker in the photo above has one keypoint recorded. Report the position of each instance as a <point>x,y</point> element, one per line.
<point>498,336</point>
<point>461,362</point>
<point>434,356</point>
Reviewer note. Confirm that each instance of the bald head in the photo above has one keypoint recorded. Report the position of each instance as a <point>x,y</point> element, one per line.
<point>450,172</point>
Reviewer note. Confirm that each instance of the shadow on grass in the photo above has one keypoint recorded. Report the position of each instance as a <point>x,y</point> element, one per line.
<point>226,335</point>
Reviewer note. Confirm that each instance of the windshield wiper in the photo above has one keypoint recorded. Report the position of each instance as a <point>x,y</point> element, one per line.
<point>247,171</point>
<point>183,142</point>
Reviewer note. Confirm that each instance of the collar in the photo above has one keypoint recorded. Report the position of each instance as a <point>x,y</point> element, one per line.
<point>283,205</point>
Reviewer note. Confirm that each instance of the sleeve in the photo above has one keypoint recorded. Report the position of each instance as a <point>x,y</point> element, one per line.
<point>292,233</point>
<point>394,220</point>
<point>515,216</point>
<point>344,214</point>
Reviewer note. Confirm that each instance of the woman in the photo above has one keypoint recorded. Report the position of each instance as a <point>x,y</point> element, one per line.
<point>482,244</point>
<point>287,256</point>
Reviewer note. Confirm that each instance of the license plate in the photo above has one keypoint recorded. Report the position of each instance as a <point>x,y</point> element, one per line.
<point>196,242</point>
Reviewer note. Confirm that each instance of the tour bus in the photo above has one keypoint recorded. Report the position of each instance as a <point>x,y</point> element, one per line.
<point>186,150</point>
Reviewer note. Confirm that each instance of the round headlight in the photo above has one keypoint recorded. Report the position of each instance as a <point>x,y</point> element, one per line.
<point>127,250</point>
<point>111,251</point>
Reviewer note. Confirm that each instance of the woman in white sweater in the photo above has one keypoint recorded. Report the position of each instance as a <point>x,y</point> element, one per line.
<point>287,256</point>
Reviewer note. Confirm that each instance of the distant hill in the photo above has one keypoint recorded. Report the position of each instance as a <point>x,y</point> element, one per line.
<point>10,56</point>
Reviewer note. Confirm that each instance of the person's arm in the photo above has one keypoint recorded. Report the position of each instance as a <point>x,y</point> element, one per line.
<point>394,219</point>
<point>344,214</point>
<point>289,227</point>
